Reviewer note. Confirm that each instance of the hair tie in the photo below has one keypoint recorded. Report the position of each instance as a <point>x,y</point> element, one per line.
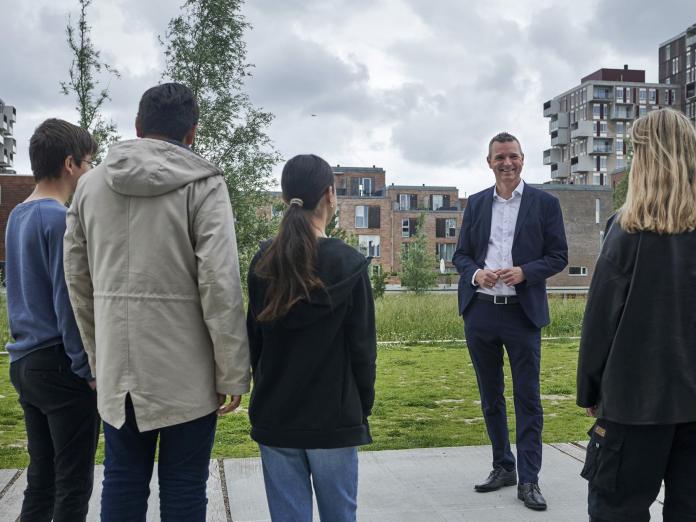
<point>297,201</point>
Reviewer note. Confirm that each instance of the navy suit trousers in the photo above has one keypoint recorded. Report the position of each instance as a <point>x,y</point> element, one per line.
<point>488,327</point>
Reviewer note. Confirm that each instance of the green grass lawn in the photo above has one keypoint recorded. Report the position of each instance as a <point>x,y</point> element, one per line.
<point>426,394</point>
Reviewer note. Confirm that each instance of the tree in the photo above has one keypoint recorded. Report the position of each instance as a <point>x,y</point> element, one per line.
<point>205,50</point>
<point>417,262</point>
<point>379,282</point>
<point>83,82</point>
<point>334,230</point>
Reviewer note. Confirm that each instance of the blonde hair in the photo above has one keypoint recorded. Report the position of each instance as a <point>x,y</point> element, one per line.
<point>661,186</point>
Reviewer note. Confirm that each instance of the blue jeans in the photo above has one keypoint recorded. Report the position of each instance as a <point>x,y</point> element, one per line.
<point>184,460</point>
<point>334,473</point>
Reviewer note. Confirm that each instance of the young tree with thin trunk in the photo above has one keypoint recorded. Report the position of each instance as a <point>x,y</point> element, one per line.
<point>84,82</point>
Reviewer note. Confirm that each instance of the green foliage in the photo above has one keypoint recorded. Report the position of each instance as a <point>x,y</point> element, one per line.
<point>205,50</point>
<point>83,82</point>
<point>379,282</point>
<point>418,262</point>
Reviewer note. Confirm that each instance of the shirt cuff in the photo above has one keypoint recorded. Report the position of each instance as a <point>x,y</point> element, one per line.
<point>473,278</point>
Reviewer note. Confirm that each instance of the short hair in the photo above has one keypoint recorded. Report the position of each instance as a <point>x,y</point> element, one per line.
<point>52,142</point>
<point>170,110</point>
<point>503,137</point>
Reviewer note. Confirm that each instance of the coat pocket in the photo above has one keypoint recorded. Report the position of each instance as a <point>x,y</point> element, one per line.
<point>603,458</point>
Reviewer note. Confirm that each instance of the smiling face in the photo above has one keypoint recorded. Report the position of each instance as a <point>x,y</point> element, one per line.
<point>506,161</point>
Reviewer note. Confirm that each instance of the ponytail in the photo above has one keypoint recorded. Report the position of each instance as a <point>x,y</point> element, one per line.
<point>289,264</point>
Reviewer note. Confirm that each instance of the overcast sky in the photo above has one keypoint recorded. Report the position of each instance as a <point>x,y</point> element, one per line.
<point>416,87</point>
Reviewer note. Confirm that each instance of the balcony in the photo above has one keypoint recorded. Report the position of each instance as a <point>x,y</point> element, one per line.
<point>560,170</point>
<point>621,113</point>
<point>600,146</point>
<point>559,121</point>
<point>582,129</point>
<point>551,107</point>
<point>560,137</point>
<point>11,145</point>
<point>552,156</point>
<point>582,164</point>
<point>602,93</point>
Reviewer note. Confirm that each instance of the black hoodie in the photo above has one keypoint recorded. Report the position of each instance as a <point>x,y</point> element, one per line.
<point>314,369</point>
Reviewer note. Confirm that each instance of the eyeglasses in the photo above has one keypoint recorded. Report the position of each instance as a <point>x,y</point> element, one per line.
<point>91,163</point>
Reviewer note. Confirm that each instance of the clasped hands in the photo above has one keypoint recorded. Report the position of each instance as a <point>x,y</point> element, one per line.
<point>510,276</point>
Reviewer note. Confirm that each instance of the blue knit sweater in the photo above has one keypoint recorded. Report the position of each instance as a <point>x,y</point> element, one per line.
<point>38,305</point>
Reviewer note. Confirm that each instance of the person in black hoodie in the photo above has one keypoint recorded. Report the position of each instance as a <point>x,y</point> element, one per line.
<point>637,363</point>
<point>311,326</point>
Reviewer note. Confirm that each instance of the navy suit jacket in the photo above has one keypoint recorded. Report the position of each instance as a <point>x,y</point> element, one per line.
<point>539,247</point>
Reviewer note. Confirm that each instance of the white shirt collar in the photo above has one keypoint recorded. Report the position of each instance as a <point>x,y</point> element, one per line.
<point>519,189</point>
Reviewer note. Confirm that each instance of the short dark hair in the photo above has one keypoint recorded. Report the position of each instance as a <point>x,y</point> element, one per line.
<point>52,142</point>
<point>170,110</point>
<point>503,137</point>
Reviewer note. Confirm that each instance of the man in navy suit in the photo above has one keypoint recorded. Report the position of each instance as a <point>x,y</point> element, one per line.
<point>512,239</point>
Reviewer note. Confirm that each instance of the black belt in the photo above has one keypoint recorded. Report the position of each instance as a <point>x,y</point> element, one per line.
<point>498,299</point>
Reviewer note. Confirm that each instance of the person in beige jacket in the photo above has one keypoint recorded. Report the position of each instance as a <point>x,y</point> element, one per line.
<point>152,270</point>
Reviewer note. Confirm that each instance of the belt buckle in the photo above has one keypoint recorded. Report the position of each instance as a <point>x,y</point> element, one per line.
<point>503,299</point>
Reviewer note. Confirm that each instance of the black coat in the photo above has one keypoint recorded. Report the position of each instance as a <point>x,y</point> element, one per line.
<point>638,349</point>
<point>314,369</point>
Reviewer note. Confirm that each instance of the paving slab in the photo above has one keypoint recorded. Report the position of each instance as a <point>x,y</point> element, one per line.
<point>420,485</point>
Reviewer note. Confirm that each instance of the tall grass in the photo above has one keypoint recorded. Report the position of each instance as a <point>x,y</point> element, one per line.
<point>434,316</point>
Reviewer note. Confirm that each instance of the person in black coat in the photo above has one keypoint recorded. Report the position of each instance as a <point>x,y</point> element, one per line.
<point>311,326</point>
<point>637,363</point>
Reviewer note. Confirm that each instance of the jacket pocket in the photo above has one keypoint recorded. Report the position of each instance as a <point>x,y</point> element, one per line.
<point>603,458</point>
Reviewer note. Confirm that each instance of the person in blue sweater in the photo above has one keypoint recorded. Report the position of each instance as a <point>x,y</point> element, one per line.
<point>48,364</point>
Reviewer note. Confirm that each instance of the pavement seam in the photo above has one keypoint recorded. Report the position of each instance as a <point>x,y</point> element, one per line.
<point>554,446</point>
<point>223,486</point>
<point>10,483</point>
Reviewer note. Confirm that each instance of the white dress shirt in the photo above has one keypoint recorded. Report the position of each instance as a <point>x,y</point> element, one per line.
<point>499,253</point>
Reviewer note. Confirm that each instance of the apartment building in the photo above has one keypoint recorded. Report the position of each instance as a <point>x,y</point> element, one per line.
<point>677,66</point>
<point>8,144</point>
<point>589,124</point>
<point>384,218</point>
<point>13,190</point>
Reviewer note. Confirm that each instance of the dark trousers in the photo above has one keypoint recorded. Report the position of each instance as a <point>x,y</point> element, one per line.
<point>184,460</point>
<point>625,467</point>
<point>62,423</point>
<point>488,327</point>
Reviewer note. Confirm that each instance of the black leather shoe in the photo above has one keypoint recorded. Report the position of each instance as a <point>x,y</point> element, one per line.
<point>530,493</point>
<point>498,478</point>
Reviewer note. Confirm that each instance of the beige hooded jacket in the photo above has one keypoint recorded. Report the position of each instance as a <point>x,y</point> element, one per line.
<point>152,270</point>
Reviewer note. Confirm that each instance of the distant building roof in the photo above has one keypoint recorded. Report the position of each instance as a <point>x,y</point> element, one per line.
<point>343,170</point>
<point>559,187</point>
<point>420,187</point>
<point>616,75</point>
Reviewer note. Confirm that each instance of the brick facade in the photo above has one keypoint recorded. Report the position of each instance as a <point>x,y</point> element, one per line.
<point>586,209</point>
<point>13,190</point>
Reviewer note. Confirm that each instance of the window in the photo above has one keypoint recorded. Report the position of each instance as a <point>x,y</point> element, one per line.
<point>642,95</point>
<point>652,96</point>
<point>405,201</point>
<point>619,94</point>
<point>438,201</point>
<point>595,111</point>
<point>598,206</point>
<point>366,187</point>
<point>451,227</point>
<point>668,54</point>
<point>603,163</point>
<point>619,146</point>
<point>620,162</point>
<point>405,228</point>
<point>675,65</point>
<point>642,110</point>
<point>620,126</point>
<point>367,216</point>
<point>369,245</point>
<point>361,216</point>
<point>446,227</point>
<point>445,251</point>
<point>577,270</point>
<point>603,128</point>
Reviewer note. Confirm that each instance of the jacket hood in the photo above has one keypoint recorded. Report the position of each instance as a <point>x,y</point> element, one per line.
<point>340,268</point>
<point>146,167</point>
